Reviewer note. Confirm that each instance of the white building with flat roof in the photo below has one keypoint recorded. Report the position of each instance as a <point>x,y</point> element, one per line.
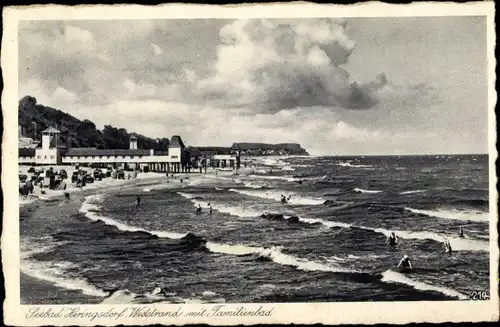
<point>175,159</point>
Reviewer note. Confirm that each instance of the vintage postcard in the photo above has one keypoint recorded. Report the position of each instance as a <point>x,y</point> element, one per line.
<point>249,164</point>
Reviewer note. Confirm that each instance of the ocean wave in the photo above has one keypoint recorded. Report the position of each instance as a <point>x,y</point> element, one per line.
<point>23,200</point>
<point>55,273</point>
<point>288,168</point>
<point>158,295</point>
<point>233,211</point>
<point>481,203</point>
<point>276,255</point>
<point>456,243</point>
<point>459,244</point>
<point>30,247</point>
<point>412,192</point>
<point>391,276</point>
<point>276,196</point>
<point>360,190</point>
<point>471,215</point>
<point>252,185</point>
<point>90,209</point>
<point>348,164</point>
<point>271,161</point>
<point>327,223</point>
<point>283,178</point>
<point>260,171</point>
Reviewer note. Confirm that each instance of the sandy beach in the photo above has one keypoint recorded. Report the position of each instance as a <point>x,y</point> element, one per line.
<point>71,188</point>
<point>37,287</point>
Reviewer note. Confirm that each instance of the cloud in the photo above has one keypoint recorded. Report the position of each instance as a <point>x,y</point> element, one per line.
<point>77,36</point>
<point>156,49</point>
<point>273,65</point>
<point>216,82</point>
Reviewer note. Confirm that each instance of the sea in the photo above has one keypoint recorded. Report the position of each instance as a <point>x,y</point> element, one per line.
<point>326,244</point>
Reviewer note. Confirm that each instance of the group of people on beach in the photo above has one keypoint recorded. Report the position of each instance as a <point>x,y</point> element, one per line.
<point>392,240</point>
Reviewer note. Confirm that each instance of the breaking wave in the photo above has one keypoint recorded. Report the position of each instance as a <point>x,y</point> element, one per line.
<point>90,208</point>
<point>412,192</point>
<point>55,273</point>
<point>252,185</point>
<point>390,276</point>
<point>360,190</point>
<point>348,164</point>
<point>234,211</point>
<point>471,215</point>
<point>284,178</point>
<point>276,196</point>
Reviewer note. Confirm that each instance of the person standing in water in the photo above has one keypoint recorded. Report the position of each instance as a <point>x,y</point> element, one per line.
<point>447,247</point>
<point>461,235</point>
<point>137,201</point>
<point>211,210</point>
<point>392,239</point>
<point>198,210</point>
<point>405,262</point>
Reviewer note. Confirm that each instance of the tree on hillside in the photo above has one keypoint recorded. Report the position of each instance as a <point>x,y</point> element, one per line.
<point>27,102</point>
<point>77,133</point>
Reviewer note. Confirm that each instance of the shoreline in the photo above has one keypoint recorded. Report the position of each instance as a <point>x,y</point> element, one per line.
<point>38,290</point>
<point>35,291</point>
<point>109,182</point>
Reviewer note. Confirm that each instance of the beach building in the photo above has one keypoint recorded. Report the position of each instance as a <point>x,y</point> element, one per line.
<point>177,159</point>
<point>25,142</point>
<point>225,158</point>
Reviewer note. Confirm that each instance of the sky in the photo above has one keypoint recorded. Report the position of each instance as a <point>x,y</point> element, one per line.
<point>412,85</point>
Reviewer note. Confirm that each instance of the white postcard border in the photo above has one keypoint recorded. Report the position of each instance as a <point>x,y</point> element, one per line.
<point>297,313</point>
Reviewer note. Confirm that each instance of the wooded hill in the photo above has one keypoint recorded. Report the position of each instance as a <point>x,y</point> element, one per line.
<point>77,133</point>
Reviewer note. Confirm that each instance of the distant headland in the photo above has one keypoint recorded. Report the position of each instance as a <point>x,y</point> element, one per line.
<point>264,149</point>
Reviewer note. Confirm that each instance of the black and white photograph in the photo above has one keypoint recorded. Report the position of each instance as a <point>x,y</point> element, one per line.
<point>254,160</point>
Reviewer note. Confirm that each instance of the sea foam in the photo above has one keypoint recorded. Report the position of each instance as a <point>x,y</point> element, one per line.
<point>55,273</point>
<point>90,209</point>
<point>348,164</point>
<point>412,192</point>
<point>276,196</point>
<point>471,215</point>
<point>360,190</point>
<point>232,210</point>
<point>390,276</point>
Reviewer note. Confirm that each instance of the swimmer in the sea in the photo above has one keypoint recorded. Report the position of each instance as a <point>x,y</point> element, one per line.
<point>392,239</point>
<point>447,247</point>
<point>198,210</point>
<point>211,210</point>
<point>461,235</point>
<point>405,262</point>
<point>138,201</point>
<point>283,199</point>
